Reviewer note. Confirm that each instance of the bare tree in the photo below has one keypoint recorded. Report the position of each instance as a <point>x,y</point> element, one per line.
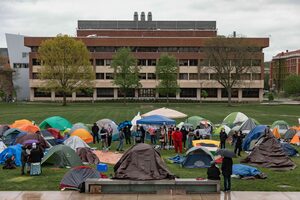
<point>229,59</point>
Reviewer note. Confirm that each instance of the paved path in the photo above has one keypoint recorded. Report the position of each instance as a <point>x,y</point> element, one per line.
<point>73,195</point>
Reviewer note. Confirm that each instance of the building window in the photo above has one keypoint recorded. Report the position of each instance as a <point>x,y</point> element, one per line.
<point>24,54</point>
<point>193,76</point>
<point>193,62</point>
<point>151,62</point>
<point>214,76</point>
<point>35,62</point>
<point>92,61</point>
<point>142,62</point>
<point>183,62</point>
<point>20,65</point>
<point>100,62</point>
<point>204,76</point>
<point>60,94</point>
<point>212,92</point>
<point>142,76</point>
<point>109,76</point>
<point>234,93</point>
<point>129,93</point>
<point>170,95</point>
<point>41,93</point>
<point>245,77</point>
<point>256,76</point>
<point>107,62</point>
<point>188,92</point>
<point>105,92</point>
<point>151,76</point>
<point>85,93</point>
<point>250,93</point>
<point>204,62</point>
<point>100,76</point>
<point>183,76</point>
<point>147,92</point>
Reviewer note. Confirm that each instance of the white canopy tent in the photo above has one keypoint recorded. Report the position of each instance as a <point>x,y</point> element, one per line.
<point>166,112</point>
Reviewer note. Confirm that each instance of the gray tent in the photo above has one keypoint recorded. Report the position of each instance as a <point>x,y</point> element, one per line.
<point>87,155</point>
<point>245,127</point>
<point>142,162</point>
<point>75,142</point>
<point>270,154</point>
<point>62,156</point>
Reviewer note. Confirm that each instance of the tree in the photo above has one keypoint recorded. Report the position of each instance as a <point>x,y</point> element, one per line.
<point>6,83</point>
<point>229,58</point>
<point>126,71</point>
<point>66,66</point>
<point>166,71</point>
<point>292,85</point>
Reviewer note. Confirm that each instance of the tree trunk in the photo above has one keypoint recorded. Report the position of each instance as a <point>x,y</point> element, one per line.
<point>64,99</point>
<point>167,99</point>
<point>229,96</point>
<point>124,97</point>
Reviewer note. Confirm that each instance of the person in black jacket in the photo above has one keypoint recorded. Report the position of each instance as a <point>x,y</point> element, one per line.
<point>184,135</point>
<point>213,172</point>
<point>227,172</point>
<point>143,134</point>
<point>95,131</point>
<point>223,138</point>
<point>238,143</point>
<point>36,154</point>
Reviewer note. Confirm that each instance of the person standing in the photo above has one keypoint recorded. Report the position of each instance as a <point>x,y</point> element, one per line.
<point>184,135</point>
<point>103,133</point>
<point>127,135</point>
<point>35,159</point>
<point>109,135</point>
<point>24,158</point>
<point>121,140</point>
<point>170,131</point>
<point>162,137</point>
<point>238,143</point>
<point>177,140</point>
<point>190,138</point>
<point>223,138</point>
<point>143,134</point>
<point>152,133</point>
<point>227,172</point>
<point>95,131</point>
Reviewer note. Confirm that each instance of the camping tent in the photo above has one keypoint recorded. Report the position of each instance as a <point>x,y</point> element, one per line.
<point>235,118</point>
<point>156,120</point>
<point>282,126</point>
<point>276,133</point>
<point>10,135</point>
<point>105,123</point>
<point>289,134</point>
<point>62,156</point>
<point>83,134</point>
<point>77,126</point>
<point>75,142</point>
<point>166,112</point>
<point>55,133</point>
<point>296,139</point>
<point>3,128</point>
<point>29,128</point>
<point>23,138</point>
<point>196,120</point>
<point>245,127</point>
<point>254,134</point>
<point>270,154</point>
<point>133,121</point>
<point>2,146</point>
<point>87,155</point>
<point>48,137</point>
<point>20,122</point>
<point>76,176</point>
<point>142,162</point>
<point>206,143</point>
<point>197,157</point>
<point>57,122</point>
<point>15,150</point>
<point>218,130</point>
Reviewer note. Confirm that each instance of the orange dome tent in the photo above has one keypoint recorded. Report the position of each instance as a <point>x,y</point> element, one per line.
<point>276,133</point>
<point>296,139</point>
<point>19,123</point>
<point>29,128</point>
<point>83,134</point>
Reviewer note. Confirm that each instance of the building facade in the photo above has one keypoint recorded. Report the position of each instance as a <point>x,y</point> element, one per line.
<point>282,65</point>
<point>149,39</point>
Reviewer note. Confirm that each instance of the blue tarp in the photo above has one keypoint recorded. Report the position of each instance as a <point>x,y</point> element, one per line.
<point>156,120</point>
<point>289,149</point>
<point>124,124</point>
<point>252,135</point>
<point>15,150</point>
<point>177,159</point>
<point>244,170</point>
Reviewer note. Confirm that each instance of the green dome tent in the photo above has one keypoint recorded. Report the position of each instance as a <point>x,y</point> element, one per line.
<point>234,118</point>
<point>195,121</point>
<point>56,122</point>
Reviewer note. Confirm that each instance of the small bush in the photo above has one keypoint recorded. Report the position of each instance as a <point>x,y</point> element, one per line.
<point>271,96</point>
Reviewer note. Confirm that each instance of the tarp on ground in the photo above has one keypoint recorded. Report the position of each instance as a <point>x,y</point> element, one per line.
<point>20,122</point>
<point>76,176</point>
<point>29,136</point>
<point>289,149</point>
<point>2,146</point>
<point>142,162</point>
<point>9,136</point>
<point>75,142</point>
<point>197,157</point>
<point>254,134</point>
<point>105,123</point>
<point>108,157</point>
<point>156,120</point>
<point>166,112</point>
<point>270,154</point>
<point>14,150</point>
<point>244,170</point>
<point>87,155</point>
<point>85,135</point>
<point>57,122</point>
<point>62,156</point>
<point>234,118</point>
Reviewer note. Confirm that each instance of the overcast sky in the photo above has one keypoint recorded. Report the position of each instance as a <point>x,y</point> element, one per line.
<point>277,19</point>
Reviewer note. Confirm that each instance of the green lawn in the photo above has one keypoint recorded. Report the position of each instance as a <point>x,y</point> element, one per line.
<point>89,113</point>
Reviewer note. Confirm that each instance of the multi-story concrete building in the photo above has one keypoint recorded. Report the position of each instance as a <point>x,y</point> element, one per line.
<point>282,65</point>
<point>148,39</point>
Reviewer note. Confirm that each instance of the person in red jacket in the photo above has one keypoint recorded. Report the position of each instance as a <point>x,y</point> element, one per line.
<point>177,140</point>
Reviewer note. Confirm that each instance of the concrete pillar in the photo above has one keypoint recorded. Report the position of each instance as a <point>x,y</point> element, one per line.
<point>115,93</point>
<point>95,94</point>
<point>31,94</point>
<point>177,95</point>
<point>156,94</point>
<point>240,95</point>
<point>219,96</point>
<point>261,94</point>
<point>199,94</point>
<point>52,95</point>
<point>136,93</point>
<point>73,96</point>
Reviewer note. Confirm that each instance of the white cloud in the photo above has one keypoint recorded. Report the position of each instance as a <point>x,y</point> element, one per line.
<point>256,18</point>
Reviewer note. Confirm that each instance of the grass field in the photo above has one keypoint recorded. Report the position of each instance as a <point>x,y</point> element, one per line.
<point>89,113</point>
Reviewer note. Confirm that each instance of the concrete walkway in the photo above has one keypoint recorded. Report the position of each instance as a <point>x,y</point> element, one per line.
<point>73,195</point>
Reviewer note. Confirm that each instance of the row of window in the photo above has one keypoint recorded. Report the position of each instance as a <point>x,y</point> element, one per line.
<point>20,65</point>
<point>149,92</point>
